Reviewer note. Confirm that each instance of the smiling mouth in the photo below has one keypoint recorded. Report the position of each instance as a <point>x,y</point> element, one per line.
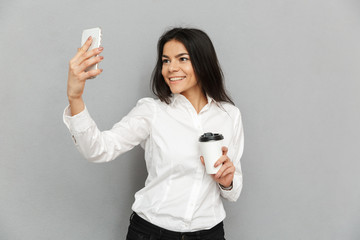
<point>174,79</point>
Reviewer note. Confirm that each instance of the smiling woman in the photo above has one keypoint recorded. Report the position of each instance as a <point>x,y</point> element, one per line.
<point>178,72</point>
<point>198,48</point>
<point>179,200</point>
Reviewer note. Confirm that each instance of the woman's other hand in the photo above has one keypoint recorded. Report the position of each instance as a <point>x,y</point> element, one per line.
<point>225,175</point>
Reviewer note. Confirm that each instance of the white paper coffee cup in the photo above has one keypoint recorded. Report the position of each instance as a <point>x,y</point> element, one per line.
<point>210,148</point>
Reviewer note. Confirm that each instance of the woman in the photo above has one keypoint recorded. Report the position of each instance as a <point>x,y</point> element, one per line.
<point>179,200</point>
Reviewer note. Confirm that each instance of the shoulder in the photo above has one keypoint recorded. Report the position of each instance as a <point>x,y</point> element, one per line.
<point>145,108</point>
<point>230,109</point>
<point>148,104</point>
<point>232,112</point>
<point>146,101</point>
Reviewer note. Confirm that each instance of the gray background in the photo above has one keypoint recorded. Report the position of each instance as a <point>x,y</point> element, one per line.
<point>292,68</point>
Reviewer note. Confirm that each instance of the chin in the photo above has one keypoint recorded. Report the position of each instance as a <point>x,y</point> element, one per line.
<point>175,91</point>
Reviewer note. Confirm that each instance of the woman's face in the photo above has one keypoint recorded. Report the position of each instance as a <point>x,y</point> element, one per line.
<point>177,69</point>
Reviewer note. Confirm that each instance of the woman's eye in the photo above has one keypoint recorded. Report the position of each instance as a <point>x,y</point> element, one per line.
<point>184,59</point>
<point>165,61</point>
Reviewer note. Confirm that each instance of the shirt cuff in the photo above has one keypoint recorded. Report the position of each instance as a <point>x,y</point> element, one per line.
<point>233,194</point>
<point>226,188</point>
<point>79,122</point>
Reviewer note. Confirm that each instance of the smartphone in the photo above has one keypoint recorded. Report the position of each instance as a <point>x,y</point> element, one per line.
<point>96,41</point>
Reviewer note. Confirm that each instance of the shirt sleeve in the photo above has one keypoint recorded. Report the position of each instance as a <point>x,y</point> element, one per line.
<point>235,152</point>
<point>103,146</point>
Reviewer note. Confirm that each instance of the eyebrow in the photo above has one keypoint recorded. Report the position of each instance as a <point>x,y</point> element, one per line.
<point>177,56</point>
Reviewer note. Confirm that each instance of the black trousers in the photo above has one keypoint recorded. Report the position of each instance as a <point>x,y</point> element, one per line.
<point>140,229</point>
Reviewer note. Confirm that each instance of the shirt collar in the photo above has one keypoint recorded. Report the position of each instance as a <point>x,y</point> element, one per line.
<point>177,97</point>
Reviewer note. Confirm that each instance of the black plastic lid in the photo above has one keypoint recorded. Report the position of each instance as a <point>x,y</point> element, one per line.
<point>210,137</point>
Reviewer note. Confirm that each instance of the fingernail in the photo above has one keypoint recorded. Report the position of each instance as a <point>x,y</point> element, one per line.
<point>101,57</point>
<point>100,49</point>
<point>89,37</point>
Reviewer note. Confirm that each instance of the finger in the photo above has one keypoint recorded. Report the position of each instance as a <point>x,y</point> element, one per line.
<point>79,68</point>
<point>85,56</point>
<point>83,48</point>
<point>223,168</point>
<point>220,171</point>
<point>221,160</point>
<point>228,171</point>
<point>224,150</point>
<point>90,62</point>
<point>202,160</point>
<point>81,51</point>
<point>90,74</point>
<point>86,45</point>
<point>89,54</point>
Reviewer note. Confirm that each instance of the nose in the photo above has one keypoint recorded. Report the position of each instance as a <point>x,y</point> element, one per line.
<point>173,67</point>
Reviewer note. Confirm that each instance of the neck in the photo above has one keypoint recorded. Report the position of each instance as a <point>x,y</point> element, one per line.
<point>197,100</point>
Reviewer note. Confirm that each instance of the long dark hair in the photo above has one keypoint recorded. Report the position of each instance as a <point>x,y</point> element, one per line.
<point>203,59</point>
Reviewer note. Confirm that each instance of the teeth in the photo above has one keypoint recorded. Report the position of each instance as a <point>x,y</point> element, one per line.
<point>176,78</point>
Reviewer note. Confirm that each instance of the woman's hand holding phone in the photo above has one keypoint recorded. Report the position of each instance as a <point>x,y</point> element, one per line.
<point>78,76</point>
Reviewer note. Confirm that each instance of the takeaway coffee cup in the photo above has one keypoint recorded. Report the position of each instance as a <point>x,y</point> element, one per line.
<point>210,148</point>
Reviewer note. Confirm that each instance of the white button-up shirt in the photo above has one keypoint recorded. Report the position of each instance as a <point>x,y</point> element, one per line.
<point>178,195</point>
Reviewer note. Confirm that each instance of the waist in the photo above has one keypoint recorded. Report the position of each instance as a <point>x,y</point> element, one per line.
<point>148,227</point>
<point>181,210</point>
